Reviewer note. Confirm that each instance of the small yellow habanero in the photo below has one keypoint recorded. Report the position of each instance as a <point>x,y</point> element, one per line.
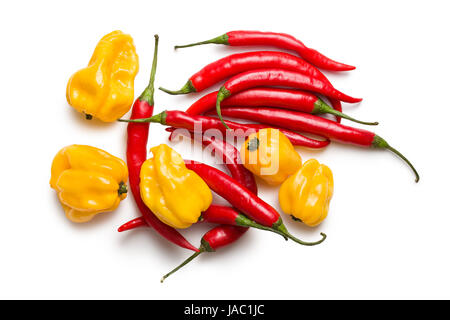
<point>88,181</point>
<point>175,194</point>
<point>306,194</point>
<point>105,88</point>
<point>270,155</point>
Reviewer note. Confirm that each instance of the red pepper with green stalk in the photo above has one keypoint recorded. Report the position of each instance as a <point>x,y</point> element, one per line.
<point>242,199</point>
<point>279,40</point>
<point>218,214</point>
<point>234,224</point>
<point>137,154</point>
<point>277,77</point>
<point>180,119</point>
<point>240,62</point>
<point>270,97</point>
<point>220,236</point>
<point>234,64</point>
<point>239,194</point>
<point>309,123</point>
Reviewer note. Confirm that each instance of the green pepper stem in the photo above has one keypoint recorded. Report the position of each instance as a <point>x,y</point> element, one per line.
<point>321,107</point>
<point>158,118</point>
<point>221,95</point>
<point>406,160</point>
<point>379,142</point>
<point>278,228</point>
<point>122,188</point>
<point>185,262</point>
<point>148,93</point>
<point>222,39</point>
<point>187,88</point>
<point>279,225</point>
<point>243,221</point>
<point>304,243</point>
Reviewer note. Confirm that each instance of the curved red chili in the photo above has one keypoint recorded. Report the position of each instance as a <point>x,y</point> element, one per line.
<point>214,239</point>
<point>215,213</point>
<point>137,154</point>
<point>234,64</point>
<point>277,77</point>
<point>243,199</point>
<point>279,40</point>
<point>181,119</point>
<point>317,125</point>
<point>224,234</point>
<point>219,214</point>
<point>272,97</point>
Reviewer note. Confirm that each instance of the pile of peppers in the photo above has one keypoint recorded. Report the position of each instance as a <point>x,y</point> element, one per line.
<point>285,93</point>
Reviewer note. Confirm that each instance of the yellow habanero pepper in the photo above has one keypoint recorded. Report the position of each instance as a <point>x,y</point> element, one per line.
<point>88,181</point>
<point>105,88</point>
<point>270,155</point>
<point>306,194</point>
<point>175,194</point>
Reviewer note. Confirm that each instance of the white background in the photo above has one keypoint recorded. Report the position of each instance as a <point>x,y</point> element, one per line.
<point>387,236</point>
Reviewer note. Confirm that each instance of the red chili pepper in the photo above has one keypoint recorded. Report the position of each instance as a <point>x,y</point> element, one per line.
<point>137,154</point>
<point>279,40</point>
<point>337,105</point>
<point>180,119</point>
<point>317,125</point>
<point>234,64</point>
<point>240,62</point>
<point>214,239</point>
<point>133,224</point>
<point>243,199</point>
<point>231,158</point>
<point>224,234</point>
<point>277,77</point>
<point>273,97</point>
<point>215,213</point>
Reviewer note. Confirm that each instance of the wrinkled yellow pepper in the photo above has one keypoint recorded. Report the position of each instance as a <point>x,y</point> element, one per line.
<point>105,88</point>
<point>270,155</point>
<point>88,181</point>
<point>306,194</point>
<point>175,194</point>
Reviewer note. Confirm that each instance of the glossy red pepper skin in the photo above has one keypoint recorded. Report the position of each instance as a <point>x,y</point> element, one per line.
<point>303,122</point>
<point>282,78</point>
<point>313,124</point>
<point>258,97</point>
<point>234,64</point>
<point>133,224</point>
<point>229,216</point>
<point>137,154</point>
<point>221,236</point>
<point>214,214</point>
<point>180,119</point>
<point>272,97</point>
<point>279,40</point>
